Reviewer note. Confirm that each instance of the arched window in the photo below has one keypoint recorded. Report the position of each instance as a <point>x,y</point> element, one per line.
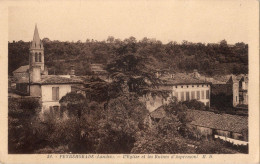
<point>36,57</point>
<point>40,57</point>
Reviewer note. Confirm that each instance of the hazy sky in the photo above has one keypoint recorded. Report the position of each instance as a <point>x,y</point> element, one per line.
<point>195,21</point>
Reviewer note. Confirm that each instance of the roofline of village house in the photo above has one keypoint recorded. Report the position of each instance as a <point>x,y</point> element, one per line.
<point>169,84</point>
<point>55,83</point>
<point>215,128</point>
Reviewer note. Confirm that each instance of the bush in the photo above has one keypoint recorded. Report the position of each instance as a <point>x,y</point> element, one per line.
<point>50,150</point>
<point>211,147</point>
<point>21,115</point>
<point>195,104</point>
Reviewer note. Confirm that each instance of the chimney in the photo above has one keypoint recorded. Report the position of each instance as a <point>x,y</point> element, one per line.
<point>196,73</point>
<point>72,71</point>
<point>36,74</point>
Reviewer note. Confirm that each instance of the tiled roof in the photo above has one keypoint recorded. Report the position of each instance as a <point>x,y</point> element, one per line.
<point>158,113</point>
<point>23,80</point>
<point>183,78</point>
<point>21,69</point>
<point>227,122</point>
<point>212,80</point>
<point>52,79</point>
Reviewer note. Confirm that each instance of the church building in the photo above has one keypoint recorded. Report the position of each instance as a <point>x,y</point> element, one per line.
<point>33,79</point>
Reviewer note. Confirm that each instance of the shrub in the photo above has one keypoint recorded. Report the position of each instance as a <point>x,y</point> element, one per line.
<point>21,115</point>
<point>194,104</point>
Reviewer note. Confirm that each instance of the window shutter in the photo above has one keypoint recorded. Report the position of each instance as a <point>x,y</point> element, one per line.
<point>176,95</point>
<point>57,93</point>
<point>192,95</point>
<point>198,95</point>
<point>187,96</point>
<point>182,96</point>
<point>53,93</point>
<point>202,94</point>
<point>207,94</point>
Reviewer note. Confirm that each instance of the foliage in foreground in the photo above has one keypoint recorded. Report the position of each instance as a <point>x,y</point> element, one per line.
<point>121,127</point>
<point>21,115</point>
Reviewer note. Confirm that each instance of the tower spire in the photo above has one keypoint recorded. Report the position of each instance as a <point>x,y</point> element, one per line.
<point>37,52</point>
<point>36,42</point>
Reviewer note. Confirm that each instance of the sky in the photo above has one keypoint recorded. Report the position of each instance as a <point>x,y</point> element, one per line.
<point>194,21</point>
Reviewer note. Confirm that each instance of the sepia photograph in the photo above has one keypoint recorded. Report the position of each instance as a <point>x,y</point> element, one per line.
<point>129,78</point>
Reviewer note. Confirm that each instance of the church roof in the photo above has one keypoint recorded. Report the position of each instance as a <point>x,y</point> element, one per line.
<point>56,79</point>
<point>52,79</point>
<point>36,42</point>
<point>21,69</point>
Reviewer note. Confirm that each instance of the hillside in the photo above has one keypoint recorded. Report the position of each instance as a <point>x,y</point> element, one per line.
<point>208,59</point>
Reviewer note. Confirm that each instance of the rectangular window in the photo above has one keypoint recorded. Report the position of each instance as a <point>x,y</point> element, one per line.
<point>36,57</point>
<point>202,95</point>
<point>182,96</point>
<point>192,95</point>
<point>176,95</point>
<point>198,95</point>
<point>40,57</point>
<point>55,109</point>
<point>55,93</point>
<point>207,94</point>
<point>187,96</point>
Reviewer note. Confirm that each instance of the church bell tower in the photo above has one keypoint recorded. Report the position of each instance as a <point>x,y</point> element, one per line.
<point>36,57</point>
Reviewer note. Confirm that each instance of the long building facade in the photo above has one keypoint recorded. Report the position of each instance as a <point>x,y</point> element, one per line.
<point>183,86</point>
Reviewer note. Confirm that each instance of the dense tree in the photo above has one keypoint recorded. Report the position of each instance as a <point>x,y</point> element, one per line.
<point>131,72</point>
<point>95,130</point>
<point>209,59</point>
<point>74,103</point>
<point>111,114</point>
<point>122,124</point>
<point>21,117</point>
<point>124,119</point>
<point>166,136</point>
<point>195,104</point>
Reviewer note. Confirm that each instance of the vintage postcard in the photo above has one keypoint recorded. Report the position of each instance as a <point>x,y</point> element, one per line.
<point>129,81</point>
